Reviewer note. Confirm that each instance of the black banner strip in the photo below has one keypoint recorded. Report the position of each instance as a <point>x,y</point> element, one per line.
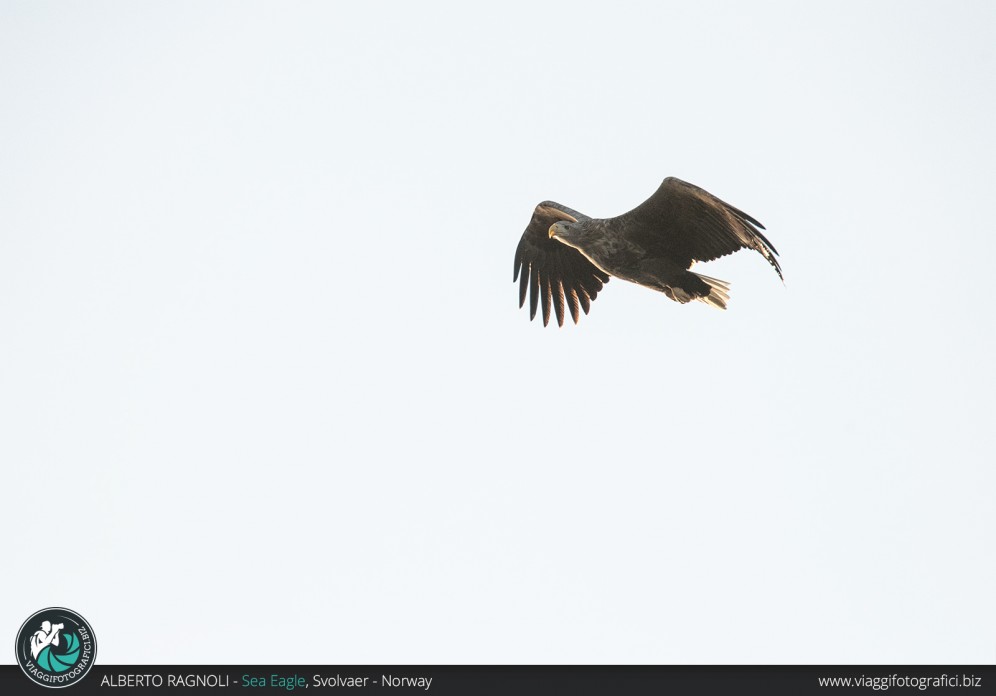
<point>390,680</point>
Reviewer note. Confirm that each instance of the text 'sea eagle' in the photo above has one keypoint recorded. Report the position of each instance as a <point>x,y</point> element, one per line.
<point>565,257</point>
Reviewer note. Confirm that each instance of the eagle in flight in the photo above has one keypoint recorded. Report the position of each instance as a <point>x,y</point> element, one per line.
<point>566,257</point>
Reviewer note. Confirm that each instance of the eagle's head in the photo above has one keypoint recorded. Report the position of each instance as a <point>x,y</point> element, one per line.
<point>566,232</point>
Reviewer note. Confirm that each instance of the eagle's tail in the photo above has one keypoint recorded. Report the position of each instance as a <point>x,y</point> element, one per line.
<point>688,286</point>
<point>719,292</point>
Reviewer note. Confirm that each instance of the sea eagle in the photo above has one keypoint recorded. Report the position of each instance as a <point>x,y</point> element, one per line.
<point>565,255</point>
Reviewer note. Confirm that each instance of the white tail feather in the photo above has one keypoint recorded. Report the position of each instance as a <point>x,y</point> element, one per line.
<point>719,292</point>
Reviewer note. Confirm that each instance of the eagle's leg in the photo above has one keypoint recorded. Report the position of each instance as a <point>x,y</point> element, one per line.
<point>688,286</point>
<point>681,285</point>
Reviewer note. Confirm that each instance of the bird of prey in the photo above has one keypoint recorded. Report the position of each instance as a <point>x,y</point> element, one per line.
<point>567,256</point>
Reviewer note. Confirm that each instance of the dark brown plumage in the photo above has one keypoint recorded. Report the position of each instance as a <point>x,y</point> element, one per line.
<point>565,257</point>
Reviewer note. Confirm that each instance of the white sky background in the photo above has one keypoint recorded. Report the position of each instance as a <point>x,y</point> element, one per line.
<point>266,394</point>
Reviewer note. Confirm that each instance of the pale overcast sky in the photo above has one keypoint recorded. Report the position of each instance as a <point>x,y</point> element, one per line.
<point>266,394</point>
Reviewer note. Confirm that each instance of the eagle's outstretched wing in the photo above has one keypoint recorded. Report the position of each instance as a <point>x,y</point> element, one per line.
<point>685,224</point>
<point>554,271</point>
